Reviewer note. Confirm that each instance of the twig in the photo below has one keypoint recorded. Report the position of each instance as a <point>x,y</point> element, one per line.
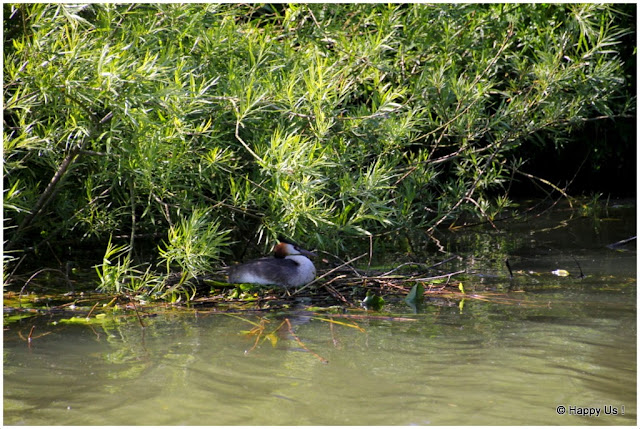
<point>546,182</point>
<point>259,330</point>
<point>47,195</point>
<point>323,360</point>
<point>449,275</point>
<point>419,264</point>
<point>372,317</point>
<point>475,203</point>
<point>92,308</point>
<point>75,215</point>
<point>246,146</point>
<point>334,322</point>
<point>234,208</point>
<point>31,278</point>
<point>355,271</point>
<point>138,314</point>
<point>335,293</point>
<point>7,279</point>
<point>444,126</point>
<point>621,242</point>
<point>328,272</point>
<point>506,262</point>
<point>333,337</point>
<point>470,192</point>
<point>132,193</point>
<point>581,276</point>
<point>30,337</point>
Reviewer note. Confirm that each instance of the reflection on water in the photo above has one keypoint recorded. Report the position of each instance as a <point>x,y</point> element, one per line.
<point>559,342</point>
<point>488,365</point>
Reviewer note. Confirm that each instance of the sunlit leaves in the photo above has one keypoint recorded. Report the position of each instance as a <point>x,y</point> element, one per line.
<point>313,120</point>
<point>195,244</point>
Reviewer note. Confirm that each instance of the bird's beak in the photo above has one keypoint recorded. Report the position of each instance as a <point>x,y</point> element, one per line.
<point>307,253</point>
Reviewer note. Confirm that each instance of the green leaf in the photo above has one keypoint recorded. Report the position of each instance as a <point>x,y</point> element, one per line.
<point>416,295</point>
<point>461,287</point>
<point>82,321</point>
<point>373,302</point>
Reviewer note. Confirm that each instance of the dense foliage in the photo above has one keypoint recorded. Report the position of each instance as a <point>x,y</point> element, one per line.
<point>205,125</point>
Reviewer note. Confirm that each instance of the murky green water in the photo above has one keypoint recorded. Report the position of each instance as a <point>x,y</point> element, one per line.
<point>553,342</point>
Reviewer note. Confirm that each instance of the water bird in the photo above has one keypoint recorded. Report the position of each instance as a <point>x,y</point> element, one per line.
<point>289,266</point>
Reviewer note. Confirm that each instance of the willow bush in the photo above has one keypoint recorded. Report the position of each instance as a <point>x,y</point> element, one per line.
<point>322,122</point>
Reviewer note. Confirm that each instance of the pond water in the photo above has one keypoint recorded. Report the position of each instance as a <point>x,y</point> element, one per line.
<point>537,350</point>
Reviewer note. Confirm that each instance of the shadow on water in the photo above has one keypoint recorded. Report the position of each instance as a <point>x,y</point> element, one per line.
<point>513,351</point>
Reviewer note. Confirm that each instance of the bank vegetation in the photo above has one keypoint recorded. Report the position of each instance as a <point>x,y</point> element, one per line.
<point>174,138</point>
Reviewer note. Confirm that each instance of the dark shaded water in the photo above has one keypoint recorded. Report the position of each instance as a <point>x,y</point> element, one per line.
<point>548,342</point>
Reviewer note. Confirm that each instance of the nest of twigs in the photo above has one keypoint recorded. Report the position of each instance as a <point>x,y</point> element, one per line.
<point>346,286</point>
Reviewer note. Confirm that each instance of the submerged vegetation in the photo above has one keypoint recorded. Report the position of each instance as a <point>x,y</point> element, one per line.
<point>175,138</point>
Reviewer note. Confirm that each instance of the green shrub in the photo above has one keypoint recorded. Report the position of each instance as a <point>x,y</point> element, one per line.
<point>322,122</point>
